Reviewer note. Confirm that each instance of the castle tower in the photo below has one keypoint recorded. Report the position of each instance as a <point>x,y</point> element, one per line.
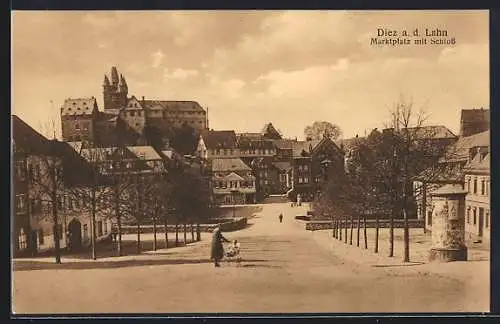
<point>114,76</point>
<point>107,90</point>
<point>114,92</point>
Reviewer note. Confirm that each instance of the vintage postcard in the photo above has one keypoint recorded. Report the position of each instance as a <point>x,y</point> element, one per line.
<point>224,162</point>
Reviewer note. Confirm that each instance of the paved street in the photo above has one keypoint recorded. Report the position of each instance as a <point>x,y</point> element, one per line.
<point>285,269</point>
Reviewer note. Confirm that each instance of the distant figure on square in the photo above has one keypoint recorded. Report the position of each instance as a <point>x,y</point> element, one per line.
<point>281,218</point>
<point>299,200</point>
<point>217,247</point>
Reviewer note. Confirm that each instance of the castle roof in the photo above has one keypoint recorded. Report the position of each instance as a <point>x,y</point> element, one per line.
<point>79,107</point>
<point>172,105</point>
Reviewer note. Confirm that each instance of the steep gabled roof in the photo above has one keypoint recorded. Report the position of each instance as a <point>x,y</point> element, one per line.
<point>329,142</point>
<point>226,165</point>
<point>28,139</point>
<point>219,139</point>
<point>79,107</point>
<point>270,132</point>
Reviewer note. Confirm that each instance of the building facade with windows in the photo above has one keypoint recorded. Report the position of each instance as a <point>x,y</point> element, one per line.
<point>477,200</point>
<point>232,182</point>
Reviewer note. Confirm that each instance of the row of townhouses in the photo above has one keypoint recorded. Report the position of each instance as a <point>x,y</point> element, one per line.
<point>247,167</point>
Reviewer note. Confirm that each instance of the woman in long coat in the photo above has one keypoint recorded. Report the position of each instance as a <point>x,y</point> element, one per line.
<point>217,248</point>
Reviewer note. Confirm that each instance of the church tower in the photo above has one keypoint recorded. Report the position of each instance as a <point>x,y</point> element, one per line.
<point>114,92</point>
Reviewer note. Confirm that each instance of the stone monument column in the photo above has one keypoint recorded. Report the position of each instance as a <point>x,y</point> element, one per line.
<point>448,224</point>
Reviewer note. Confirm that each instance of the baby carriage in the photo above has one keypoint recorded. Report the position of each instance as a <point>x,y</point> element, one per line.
<point>232,253</point>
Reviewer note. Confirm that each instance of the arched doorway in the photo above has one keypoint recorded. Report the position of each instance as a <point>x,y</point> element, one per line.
<point>75,235</point>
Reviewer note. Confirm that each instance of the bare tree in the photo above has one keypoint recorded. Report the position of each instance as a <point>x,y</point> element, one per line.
<point>415,148</point>
<point>45,173</point>
<point>318,129</point>
<point>47,186</point>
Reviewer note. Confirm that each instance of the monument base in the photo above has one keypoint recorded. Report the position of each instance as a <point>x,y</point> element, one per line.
<point>448,255</point>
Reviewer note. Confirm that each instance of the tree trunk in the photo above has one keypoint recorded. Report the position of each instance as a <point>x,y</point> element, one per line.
<point>391,235</point>
<point>406,237</point>
<point>424,205</point>
<point>185,233</point>
<point>198,232</point>
<point>192,232</point>
<point>333,227</point>
<point>352,229</point>
<point>55,229</point>
<point>154,232</point>
<point>405,214</point>
<point>358,229</point>
<point>93,238</point>
<point>165,222</point>
<point>138,237</point>
<point>339,229</point>
<point>376,233</point>
<point>345,229</point>
<point>176,234</point>
<point>118,221</point>
<point>119,234</point>
<point>364,232</point>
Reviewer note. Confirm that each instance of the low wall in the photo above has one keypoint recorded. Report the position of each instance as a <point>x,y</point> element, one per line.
<point>228,226</point>
<point>385,223</point>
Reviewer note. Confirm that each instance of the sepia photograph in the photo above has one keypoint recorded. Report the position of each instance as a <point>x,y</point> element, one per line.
<point>250,162</point>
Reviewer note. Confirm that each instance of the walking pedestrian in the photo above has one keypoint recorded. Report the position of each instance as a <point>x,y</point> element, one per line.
<point>281,218</point>
<point>217,249</point>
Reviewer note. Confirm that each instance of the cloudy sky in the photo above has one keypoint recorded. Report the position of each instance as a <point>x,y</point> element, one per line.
<point>252,67</point>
